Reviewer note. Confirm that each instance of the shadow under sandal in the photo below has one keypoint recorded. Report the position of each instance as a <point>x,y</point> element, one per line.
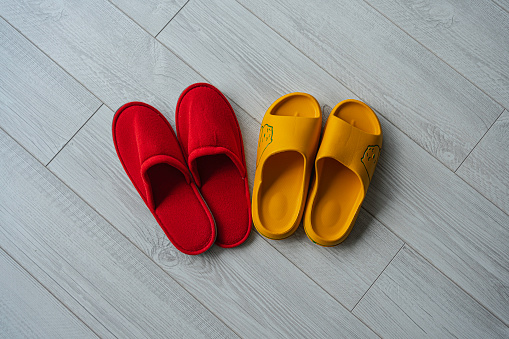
<point>287,145</point>
<point>211,139</point>
<point>344,166</point>
<point>151,156</point>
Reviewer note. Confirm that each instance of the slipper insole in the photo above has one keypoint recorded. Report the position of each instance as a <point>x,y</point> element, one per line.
<point>281,190</point>
<point>224,190</point>
<point>339,192</point>
<point>174,199</point>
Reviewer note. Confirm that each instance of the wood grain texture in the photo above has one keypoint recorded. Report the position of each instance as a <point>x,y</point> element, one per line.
<point>152,15</point>
<point>487,167</point>
<point>503,3</point>
<point>348,270</point>
<point>252,288</point>
<point>460,232</point>
<point>89,260</point>
<point>164,98</point>
<point>471,36</point>
<point>407,84</point>
<point>289,288</point>
<point>254,66</point>
<point>28,310</point>
<point>411,299</point>
<point>412,194</point>
<point>106,51</point>
<point>41,106</point>
<point>249,62</point>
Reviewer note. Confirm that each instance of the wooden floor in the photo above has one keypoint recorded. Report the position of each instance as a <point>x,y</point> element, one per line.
<point>81,255</point>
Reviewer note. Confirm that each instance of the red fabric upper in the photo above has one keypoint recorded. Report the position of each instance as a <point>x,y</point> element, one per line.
<point>205,127</point>
<point>210,137</point>
<point>151,156</point>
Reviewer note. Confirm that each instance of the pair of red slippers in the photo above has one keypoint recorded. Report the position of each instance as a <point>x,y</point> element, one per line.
<point>195,184</point>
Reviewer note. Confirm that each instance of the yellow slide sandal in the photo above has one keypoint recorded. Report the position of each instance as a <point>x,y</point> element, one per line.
<point>287,145</point>
<point>344,166</point>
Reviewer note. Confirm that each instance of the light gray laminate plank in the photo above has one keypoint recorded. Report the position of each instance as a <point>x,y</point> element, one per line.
<point>413,194</point>
<point>86,263</point>
<point>487,167</point>
<point>28,310</point>
<point>152,15</point>
<point>347,270</point>
<point>41,106</point>
<point>443,218</point>
<point>106,51</point>
<point>412,299</point>
<point>245,58</point>
<point>428,100</point>
<point>252,288</point>
<point>471,36</point>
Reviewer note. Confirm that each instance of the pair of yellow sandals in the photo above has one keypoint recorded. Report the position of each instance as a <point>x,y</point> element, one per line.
<point>344,165</point>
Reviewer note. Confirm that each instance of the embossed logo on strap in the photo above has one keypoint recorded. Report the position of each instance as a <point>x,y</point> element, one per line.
<point>370,159</point>
<point>265,139</point>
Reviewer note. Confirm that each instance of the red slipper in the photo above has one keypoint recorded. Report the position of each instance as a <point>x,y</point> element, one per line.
<point>151,156</point>
<point>210,137</point>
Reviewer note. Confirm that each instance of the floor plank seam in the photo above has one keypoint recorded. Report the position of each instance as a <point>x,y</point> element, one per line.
<point>173,17</point>
<point>479,140</point>
<point>482,195</point>
<point>142,252</point>
<point>79,129</point>
<point>429,50</point>
<point>10,136</point>
<point>499,5</point>
<point>395,255</point>
<point>204,78</point>
<point>335,78</point>
<point>53,295</point>
<point>439,270</point>
<point>50,58</point>
<point>316,283</point>
<point>129,17</point>
<point>139,25</point>
<point>1,129</point>
<point>117,230</point>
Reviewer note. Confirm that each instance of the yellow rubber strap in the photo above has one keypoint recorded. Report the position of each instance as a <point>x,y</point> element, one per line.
<point>285,133</point>
<point>352,147</point>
